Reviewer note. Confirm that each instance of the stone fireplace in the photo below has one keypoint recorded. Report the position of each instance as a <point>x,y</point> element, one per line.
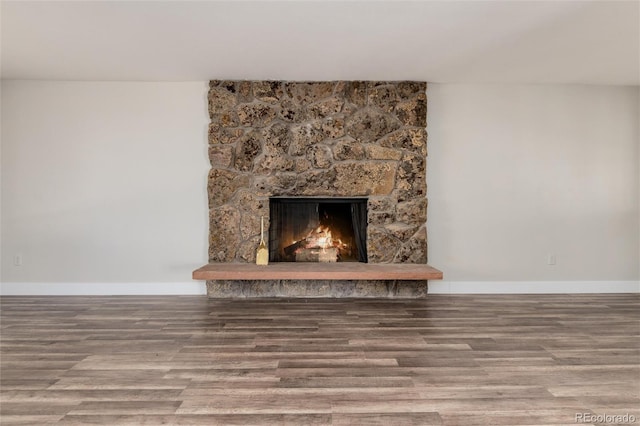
<point>314,142</point>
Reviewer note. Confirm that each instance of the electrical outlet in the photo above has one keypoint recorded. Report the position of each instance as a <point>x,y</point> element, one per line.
<point>551,259</point>
<point>17,260</point>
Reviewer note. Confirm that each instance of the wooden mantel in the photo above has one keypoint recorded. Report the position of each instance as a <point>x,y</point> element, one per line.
<point>317,271</point>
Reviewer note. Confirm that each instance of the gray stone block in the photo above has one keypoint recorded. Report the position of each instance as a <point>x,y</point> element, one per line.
<point>225,289</point>
<point>411,289</point>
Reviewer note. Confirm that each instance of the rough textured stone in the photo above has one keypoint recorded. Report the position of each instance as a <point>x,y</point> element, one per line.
<point>408,89</point>
<point>225,289</point>
<point>279,184</point>
<point>317,289</point>
<point>226,119</point>
<point>325,107</point>
<point>224,242</point>
<point>412,212</point>
<point>271,162</point>
<point>381,218</point>
<point>373,84</point>
<point>256,114</point>
<point>368,125</point>
<point>414,250</point>
<point>220,100</point>
<point>332,127</point>
<point>320,156</point>
<point>247,250</point>
<point>377,152</point>
<point>411,179</point>
<point>284,180</point>
<point>383,97</point>
<point>355,92</point>
<point>345,139</point>
<point>411,289</point>
<point>410,139</point>
<point>372,288</point>
<point>291,111</point>
<point>220,155</point>
<point>277,141</point>
<point>411,189</point>
<point>247,149</point>
<point>315,182</point>
<point>249,202</point>
<point>223,135</point>
<point>263,288</point>
<point>353,179</point>
<point>381,246</point>
<point>413,112</point>
<point>381,204</point>
<point>250,227</point>
<point>412,166</point>
<point>304,136</point>
<point>228,85</point>
<point>268,91</point>
<point>306,288</point>
<point>309,92</point>
<point>244,91</point>
<point>277,138</point>
<point>349,109</point>
<point>252,208</point>
<point>401,230</point>
<point>348,149</point>
<point>301,165</point>
<point>343,288</point>
<point>222,184</point>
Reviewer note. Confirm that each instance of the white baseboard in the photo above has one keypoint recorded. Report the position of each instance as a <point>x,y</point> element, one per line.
<point>102,289</point>
<point>532,287</point>
<point>435,287</point>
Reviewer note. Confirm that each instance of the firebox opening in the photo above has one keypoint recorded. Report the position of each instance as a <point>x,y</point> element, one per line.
<point>318,230</point>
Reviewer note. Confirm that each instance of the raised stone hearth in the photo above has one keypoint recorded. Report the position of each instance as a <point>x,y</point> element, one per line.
<point>317,288</point>
<point>329,139</point>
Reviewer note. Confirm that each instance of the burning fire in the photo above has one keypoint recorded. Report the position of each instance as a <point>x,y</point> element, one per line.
<point>320,238</point>
<point>320,245</point>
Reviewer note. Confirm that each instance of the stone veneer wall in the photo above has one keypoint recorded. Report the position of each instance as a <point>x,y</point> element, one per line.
<point>340,139</point>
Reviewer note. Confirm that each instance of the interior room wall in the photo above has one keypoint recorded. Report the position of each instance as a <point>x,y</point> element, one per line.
<point>523,176</point>
<point>104,187</point>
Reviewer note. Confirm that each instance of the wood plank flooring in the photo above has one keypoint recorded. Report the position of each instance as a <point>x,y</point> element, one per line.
<point>446,360</point>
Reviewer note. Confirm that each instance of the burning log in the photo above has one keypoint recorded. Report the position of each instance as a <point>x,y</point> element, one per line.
<point>317,255</point>
<point>291,249</point>
<point>317,246</point>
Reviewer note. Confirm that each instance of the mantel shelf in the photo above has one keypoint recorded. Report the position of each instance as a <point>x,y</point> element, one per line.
<point>317,271</point>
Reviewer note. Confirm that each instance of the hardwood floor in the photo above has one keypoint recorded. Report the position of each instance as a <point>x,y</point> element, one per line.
<point>451,360</point>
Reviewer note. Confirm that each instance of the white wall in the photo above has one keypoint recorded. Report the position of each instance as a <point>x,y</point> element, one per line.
<point>103,187</point>
<point>518,173</point>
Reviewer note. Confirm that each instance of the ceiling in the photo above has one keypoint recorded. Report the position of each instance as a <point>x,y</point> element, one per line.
<point>582,42</point>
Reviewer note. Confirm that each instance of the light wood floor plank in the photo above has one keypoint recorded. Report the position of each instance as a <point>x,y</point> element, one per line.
<point>444,360</point>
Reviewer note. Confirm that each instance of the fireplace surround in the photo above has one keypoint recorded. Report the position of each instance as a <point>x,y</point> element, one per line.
<point>351,140</point>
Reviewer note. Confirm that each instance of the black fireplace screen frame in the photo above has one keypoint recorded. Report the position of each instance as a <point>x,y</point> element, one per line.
<point>285,208</point>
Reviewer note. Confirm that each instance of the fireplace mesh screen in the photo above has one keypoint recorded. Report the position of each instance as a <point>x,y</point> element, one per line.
<point>318,230</point>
